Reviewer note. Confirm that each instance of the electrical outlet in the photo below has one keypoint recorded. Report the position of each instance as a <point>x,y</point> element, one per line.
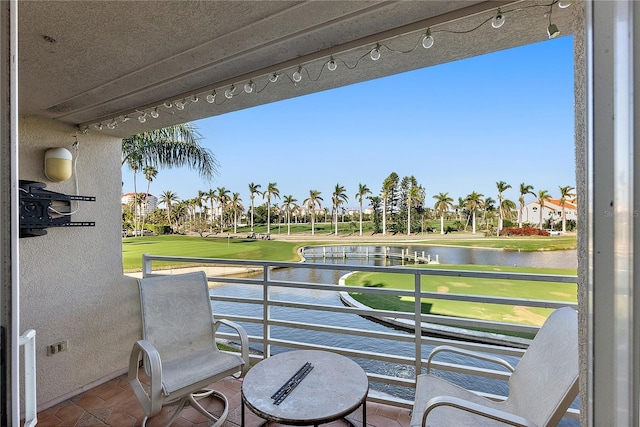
<point>57,347</point>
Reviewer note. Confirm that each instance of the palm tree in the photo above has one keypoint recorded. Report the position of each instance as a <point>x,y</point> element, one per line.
<point>253,190</point>
<point>271,191</point>
<point>524,190</point>
<point>289,204</point>
<point>543,196</point>
<point>488,205</point>
<point>236,206</point>
<point>201,199</point>
<point>135,163</point>
<point>168,197</point>
<point>311,202</point>
<point>363,190</point>
<point>459,207</point>
<point>173,146</point>
<point>502,187</point>
<point>179,211</point>
<point>223,200</point>
<point>473,202</point>
<point>211,197</point>
<point>443,204</point>
<point>149,173</point>
<point>566,192</point>
<point>339,197</point>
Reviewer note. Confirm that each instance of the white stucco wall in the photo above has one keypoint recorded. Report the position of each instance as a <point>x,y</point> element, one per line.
<point>71,282</point>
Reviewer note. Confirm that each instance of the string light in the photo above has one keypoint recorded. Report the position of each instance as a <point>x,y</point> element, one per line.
<point>426,40</point>
<point>498,21</point>
<point>230,92</point>
<point>375,53</point>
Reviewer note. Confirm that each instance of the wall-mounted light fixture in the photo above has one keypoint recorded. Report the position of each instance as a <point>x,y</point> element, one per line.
<point>58,164</point>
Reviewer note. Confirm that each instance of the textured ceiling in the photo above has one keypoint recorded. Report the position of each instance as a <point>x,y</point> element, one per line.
<point>109,62</point>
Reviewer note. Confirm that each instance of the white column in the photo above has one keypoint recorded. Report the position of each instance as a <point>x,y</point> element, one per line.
<point>614,331</point>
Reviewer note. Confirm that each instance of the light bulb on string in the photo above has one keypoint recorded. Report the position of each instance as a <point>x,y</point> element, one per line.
<point>297,75</point>
<point>194,98</point>
<point>125,119</point>
<point>211,98</point>
<point>427,40</point>
<point>498,20</point>
<point>142,118</point>
<point>112,125</point>
<point>375,53</point>
<point>332,65</point>
<point>273,77</point>
<point>180,104</point>
<point>154,113</point>
<point>229,92</point>
<point>552,31</point>
<point>168,104</point>
<point>248,87</point>
<point>99,126</point>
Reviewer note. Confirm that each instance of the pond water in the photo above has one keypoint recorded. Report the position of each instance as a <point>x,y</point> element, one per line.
<point>366,344</point>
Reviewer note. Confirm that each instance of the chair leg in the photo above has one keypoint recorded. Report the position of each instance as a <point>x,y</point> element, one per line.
<point>192,400</point>
<point>218,420</point>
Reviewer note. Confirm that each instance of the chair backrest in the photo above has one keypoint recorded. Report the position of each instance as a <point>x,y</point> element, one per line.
<point>545,381</point>
<point>176,314</point>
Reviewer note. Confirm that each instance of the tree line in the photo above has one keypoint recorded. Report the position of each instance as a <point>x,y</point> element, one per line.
<point>400,206</point>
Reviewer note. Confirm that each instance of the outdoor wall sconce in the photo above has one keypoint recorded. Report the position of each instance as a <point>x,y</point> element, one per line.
<point>58,164</point>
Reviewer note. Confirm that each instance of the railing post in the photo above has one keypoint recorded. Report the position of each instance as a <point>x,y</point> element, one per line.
<point>417,322</point>
<point>28,340</point>
<point>146,265</point>
<point>266,312</point>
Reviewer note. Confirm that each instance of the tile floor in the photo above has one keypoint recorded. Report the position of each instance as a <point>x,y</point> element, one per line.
<point>114,404</point>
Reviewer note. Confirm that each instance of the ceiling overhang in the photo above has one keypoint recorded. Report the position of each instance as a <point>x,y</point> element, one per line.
<point>126,67</point>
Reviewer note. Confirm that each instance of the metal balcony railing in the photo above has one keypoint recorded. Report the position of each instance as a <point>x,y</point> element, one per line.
<point>279,320</point>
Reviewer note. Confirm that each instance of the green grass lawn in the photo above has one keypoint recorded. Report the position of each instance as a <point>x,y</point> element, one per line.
<point>472,286</point>
<point>204,247</point>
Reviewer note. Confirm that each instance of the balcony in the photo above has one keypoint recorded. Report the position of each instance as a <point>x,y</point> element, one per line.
<point>282,311</point>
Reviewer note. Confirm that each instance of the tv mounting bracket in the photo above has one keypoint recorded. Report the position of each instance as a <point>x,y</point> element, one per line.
<point>35,207</point>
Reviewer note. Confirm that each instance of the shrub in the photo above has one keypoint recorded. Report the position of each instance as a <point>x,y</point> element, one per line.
<point>524,231</point>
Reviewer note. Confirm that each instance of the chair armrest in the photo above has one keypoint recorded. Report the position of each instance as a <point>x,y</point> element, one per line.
<point>244,341</point>
<point>475,408</point>
<point>151,402</point>
<point>477,355</point>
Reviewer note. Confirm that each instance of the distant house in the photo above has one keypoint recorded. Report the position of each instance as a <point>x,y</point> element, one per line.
<point>552,209</point>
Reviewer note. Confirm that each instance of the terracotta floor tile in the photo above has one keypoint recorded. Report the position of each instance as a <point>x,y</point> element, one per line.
<point>114,404</point>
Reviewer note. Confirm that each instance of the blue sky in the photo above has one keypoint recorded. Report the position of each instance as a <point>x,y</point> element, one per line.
<point>457,127</point>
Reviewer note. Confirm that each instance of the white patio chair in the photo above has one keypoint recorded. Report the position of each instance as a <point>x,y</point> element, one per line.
<point>179,349</point>
<point>541,387</point>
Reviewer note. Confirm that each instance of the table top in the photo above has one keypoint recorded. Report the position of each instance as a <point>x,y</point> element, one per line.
<point>335,387</point>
